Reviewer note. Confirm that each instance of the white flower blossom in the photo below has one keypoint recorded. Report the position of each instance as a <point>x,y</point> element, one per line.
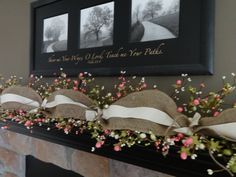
<point>176,91</point>
<point>210,171</point>
<point>143,135</point>
<point>106,106</point>
<point>193,156</point>
<point>112,134</point>
<point>153,137</point>
<point>202,146</point>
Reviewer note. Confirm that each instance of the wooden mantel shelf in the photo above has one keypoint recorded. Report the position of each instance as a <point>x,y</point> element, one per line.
<point>144,157</point>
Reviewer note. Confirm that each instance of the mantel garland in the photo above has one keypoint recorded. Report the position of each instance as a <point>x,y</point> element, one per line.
<point>221,150</point>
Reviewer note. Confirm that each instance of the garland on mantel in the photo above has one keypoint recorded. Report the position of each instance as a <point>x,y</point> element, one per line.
<point>221,150</point>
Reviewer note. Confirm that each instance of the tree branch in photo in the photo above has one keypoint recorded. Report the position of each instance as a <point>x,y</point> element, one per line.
<point>98,18</point>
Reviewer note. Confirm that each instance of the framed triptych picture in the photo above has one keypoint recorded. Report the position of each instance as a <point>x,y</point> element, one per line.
<point>142,37</point>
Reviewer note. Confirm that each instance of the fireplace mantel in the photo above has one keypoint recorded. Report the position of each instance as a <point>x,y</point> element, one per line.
<point>140,156</point>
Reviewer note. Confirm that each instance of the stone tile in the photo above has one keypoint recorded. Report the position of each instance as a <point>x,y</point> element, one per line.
<point>20,143</point>
<point>120,169</point>
<point>90,165</point>
<point>9,175</point>
<point>52,153</point>
<point>4,141</point>
<point>11,161</point>
<point>15,142</point>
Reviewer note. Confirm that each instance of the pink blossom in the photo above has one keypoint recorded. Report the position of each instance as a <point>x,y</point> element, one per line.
<point>196,102</point>
<point>121,85</point>
<point>107,132</point>
<point>58,126</point>
<point>183,155</point>
<point>202,85</point>
<point>177,139</point>
<point>180,135</point>
<point>217,97</point>
<point>76,82</point>
<point>98,144</point>
<point>11,116</point>
<point>144,85</point>
<point>28,123</point>
<point>17,120</point>
<point>38,120</point>
<point>216,114</point>
<point>180,109</point>
<point>117,148</point>
<point>157,143</point>
<point>128,132</point>
<point>75,88</point>
<point>66,130</point>
<point>118,94</point>
<point>164,149</point>
<point>188,141</point>
<point>178,82</point>
<point>81,75</point>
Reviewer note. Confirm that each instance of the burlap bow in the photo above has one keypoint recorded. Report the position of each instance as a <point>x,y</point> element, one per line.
<point>224,125</point>
<point>70,104</point>
<point>145,111</point>
<point>19,97</point>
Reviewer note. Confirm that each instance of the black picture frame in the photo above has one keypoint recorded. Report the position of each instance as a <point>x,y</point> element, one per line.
<point>191,52</point>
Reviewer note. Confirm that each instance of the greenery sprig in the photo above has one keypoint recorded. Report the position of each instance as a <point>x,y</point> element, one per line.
<point>207,104</point>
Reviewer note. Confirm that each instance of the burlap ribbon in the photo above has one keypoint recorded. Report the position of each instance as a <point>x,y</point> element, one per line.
<point>224,125</point>
<point>70,104</point>
<point>145,111</point>
<point>19,97</point>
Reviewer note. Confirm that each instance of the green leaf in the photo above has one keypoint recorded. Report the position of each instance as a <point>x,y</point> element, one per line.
<point>196,140</point>
<point>215,145</point>
<point>185,149</point>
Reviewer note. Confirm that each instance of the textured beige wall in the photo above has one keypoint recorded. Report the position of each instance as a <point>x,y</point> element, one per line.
<point>14,43</point>
<point>14,37</point>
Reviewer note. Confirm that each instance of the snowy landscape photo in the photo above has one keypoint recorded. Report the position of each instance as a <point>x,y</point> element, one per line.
<point>154,20</point>
<point>96,26</point>
<point>55,34</point>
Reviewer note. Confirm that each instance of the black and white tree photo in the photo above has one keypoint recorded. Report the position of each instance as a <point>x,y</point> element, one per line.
<point>96,26</point>
<point>55,34</point>
<point>154,20</point>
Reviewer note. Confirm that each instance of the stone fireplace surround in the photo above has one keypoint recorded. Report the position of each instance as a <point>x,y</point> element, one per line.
<point>14,147</point>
